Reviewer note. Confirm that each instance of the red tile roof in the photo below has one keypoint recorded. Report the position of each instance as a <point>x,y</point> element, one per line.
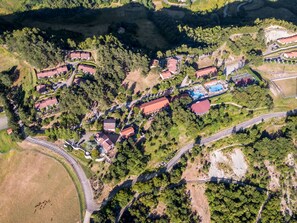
<point>62,69</point>
<point>41,88</point>
<point>289,39</point>
<point>87,68</point>
<point>210,83</point>
<point>109,125</point>
<point>80,55</point>
<point>46,73</point>
<point>46,103</point>
<point>104,141</point>
<point>154,106</point>
<point>85,55</point>
<point>127,132</point>
<point>206,71</point>
<point>201,107</point>
<point>172,65</point>
<point>165,74</point>
<point>292,54</point>
<point>52,72</point>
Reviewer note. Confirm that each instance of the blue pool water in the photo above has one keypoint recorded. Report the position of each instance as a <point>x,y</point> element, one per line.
<point>196,94</point>
<point>216,88</point>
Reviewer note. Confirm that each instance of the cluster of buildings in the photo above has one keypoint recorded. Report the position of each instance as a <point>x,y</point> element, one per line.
<point>171,68</point>
<point>52,72</point>
<point>45,87</point>
<point>104,140</point>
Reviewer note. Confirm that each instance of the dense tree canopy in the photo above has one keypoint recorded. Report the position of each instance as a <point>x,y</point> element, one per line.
<point>34,46</point>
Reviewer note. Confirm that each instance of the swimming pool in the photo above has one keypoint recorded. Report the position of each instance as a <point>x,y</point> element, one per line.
<point>196,94</point>
<point>215,88</point>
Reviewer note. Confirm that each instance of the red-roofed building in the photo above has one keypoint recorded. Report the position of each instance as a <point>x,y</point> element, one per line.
<point>201,107</point>
<point>172,65</point>
<point>292,54</point>
<point>74,55</point>
<point>53,72</point>
<point>154,106</point>
<point>62,69</point>
<point>287,40</point>
<point>80,55</point>
<point>210,83</point>
<point>127,132</point>
<point>49,102</point>
<point>87,69</point>
<point>41,88</point>
<point>207,71</point>
<point>104,141</point>
<point>166,74</point>
<point>85,55</point>
<point>47,73</point>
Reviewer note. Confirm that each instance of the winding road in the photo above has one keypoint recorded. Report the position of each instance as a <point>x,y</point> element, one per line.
<point>91,206</point>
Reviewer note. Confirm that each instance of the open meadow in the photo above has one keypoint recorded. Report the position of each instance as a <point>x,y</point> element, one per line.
<point>36,188</point>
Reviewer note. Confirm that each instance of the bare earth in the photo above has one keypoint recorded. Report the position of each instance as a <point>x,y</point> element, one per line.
<point>141,82</point>
<point>199,201</point>
<point>36,188</point>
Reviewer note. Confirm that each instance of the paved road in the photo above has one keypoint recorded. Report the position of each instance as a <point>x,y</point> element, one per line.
<point>91,206</point>
<point>223,134</point>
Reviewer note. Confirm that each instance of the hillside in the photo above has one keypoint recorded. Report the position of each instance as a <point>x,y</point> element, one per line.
<point>182,114</point>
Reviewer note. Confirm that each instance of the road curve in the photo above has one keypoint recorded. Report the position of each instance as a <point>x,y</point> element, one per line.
<point>223,134</point>
<point>91,206</point>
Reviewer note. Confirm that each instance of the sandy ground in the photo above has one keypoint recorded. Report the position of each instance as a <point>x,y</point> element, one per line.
<point>36,188</point>
<point>141,82</point>
<point>199,201</point>
<point>273,33</point>
<point>229,165</point>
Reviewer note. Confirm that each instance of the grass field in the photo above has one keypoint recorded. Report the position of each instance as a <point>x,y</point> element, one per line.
<point>288,87</point>
<point>36,188</point>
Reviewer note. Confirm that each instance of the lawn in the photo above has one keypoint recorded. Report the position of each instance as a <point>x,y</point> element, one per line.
<point>34,186</point>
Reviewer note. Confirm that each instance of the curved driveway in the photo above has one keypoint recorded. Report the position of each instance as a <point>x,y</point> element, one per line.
<point>87,189</point>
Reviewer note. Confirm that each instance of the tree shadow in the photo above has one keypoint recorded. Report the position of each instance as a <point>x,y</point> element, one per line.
<point>79,23</point>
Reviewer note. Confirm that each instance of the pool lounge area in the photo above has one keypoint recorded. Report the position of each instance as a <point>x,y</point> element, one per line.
<point>216,88</point>
<point>196,94</point>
